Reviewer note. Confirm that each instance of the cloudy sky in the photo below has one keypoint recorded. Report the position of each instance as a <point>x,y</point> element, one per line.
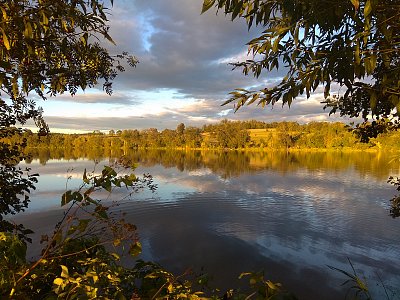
<point>183,74</point>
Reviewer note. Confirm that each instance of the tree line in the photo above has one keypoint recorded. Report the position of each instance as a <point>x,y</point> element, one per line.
<point>52,47</point>
<point>223,135</point>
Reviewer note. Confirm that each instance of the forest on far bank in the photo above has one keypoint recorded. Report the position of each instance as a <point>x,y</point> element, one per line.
<point>223,135</point>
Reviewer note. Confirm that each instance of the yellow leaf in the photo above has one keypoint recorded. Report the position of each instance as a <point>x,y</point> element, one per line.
<point>5,17</point>
<point>272,285</point>
<point>367,8</point>
<point>5,40</point>
<point>356,4</point>
<point>45,20</point>
<point>28,33</point>
<point>58,281</point>
<point>64,25</point>
<point>64,272</point>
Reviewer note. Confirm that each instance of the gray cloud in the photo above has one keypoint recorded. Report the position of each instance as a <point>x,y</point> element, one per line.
<point>181,50</point>
<point>198,114</point>
<point>167,120</point>
<point>184,48</point>
<point>98,97</point>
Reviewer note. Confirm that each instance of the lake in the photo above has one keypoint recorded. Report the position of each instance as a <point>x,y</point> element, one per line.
<point>224,213</point>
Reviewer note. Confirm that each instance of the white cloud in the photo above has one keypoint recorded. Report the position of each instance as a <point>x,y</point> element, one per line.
<point>224,112</point>
<point>183,74</point>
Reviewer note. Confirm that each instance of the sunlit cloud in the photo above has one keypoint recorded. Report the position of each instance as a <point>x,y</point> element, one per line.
<point>183,75</point>
<point>98,97</point>
<point>225,112</point>
<point>242,56</point>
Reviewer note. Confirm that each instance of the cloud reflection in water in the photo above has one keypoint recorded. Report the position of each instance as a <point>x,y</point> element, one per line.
<point>289,219</point>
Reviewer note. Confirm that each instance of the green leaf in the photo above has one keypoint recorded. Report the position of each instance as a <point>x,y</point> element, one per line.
<point>66,198</point>
<point>72,230</point>
<point>58,237</point>
<point>103,214</point>
<point>207,4</point>
<point>101,211</point>
<point>327,89</point>
<point>254,98</point>
<point>77,196</point>
<point>107,186</point>
<point>237,10</point>
<point>83,224</point>
<point>135,249</point>
<point>373,100</point>
<point>109,38</point>
<point>5,64</point>
<point>108,171</point>
<point>85,178</point>
<point>367,9</point>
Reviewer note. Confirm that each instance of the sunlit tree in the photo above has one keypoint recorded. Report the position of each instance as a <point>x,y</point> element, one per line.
<point>351,48</point>
<point>47,48</point>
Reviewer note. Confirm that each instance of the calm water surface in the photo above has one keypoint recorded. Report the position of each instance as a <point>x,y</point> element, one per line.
<point>224,213</point>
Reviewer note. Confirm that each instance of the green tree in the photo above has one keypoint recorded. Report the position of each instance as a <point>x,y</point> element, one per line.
<point>46,48</point>
<point>180,135</point>
<point>193,137</point>
<point>180,129</point>
<point>231,135</point>
<point>169,138</point>
<point>350,47</point>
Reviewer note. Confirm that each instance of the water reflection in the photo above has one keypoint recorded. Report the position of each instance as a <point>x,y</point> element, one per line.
<point>290,214</point>
<point>234,163</point>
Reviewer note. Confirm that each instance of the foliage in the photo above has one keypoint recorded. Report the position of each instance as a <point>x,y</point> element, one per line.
<point>395,201</point>
<point>358,285</point>
<point>358,288</point>
<point>12,258</point>
<point>265,289</point>
<point>51,47</point>
<point>223,135</point>
<point>81,259</point>
<point>350,47</point>
<point>77,245</point>
<point>14,185</point>
<point>46,48</point>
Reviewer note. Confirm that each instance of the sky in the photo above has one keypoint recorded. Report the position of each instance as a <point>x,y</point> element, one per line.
<point>183,75</point>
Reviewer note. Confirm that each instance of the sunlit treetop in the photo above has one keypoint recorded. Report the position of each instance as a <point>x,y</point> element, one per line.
<point>350,47</point>
<point>48,47</point>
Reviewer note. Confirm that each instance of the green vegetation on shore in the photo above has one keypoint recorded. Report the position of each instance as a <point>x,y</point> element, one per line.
<point>223,135</point>
<point>49,48</point>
